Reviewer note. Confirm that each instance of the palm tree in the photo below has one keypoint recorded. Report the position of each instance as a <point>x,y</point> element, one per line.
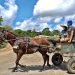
<point>1,20</point>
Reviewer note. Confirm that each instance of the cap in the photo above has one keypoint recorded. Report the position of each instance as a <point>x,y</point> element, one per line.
<point>65,25</point>
<point>69,23</point>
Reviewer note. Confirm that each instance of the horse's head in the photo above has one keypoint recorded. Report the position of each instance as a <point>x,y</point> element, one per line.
<point>6,35</point>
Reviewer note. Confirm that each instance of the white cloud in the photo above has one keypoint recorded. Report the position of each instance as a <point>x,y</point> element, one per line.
<point>40,23</point>
<point>50,12</point>
<point>70,17</point>
<point>43,22</point>
<point>55,11</point>
<point>54,7</point>
<point>58,27</point>
<point>44,19</point>
<point>18,23</point>
<point>25,25</point>
<point>8,12</point>
<point>31,24</point>
<point>58,20</point>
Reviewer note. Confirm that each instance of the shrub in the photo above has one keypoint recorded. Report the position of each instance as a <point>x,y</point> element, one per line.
<point>2,45</point>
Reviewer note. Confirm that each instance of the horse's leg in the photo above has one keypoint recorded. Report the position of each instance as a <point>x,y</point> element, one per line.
<point>47,57</point>
<point>44,58</point>
<point>19,55</point>
<point>19,60</point>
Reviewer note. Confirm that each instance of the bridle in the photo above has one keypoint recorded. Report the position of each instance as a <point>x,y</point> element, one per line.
<point>5,37</point>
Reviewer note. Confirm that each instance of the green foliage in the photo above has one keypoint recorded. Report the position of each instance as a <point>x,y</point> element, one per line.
<point>33,33</point>
<point>1,28</point>
<point>2,45</point>
<point>56,32</point>
<point>8,27</point>
<point>19,32</point>
<point>1,20</point>
<point>30,33</point>
<point>47,32</point>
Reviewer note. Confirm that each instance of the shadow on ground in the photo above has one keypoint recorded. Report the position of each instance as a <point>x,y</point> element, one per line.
<point>39,67</point>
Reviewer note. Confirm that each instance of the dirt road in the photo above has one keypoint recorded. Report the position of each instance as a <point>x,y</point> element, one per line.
<point>33,64</point>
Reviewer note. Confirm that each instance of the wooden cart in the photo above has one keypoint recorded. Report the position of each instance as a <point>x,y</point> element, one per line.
<point>68,50</point>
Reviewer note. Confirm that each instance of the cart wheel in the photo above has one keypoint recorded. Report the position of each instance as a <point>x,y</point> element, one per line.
<point>71,66</point>
<point>57,59</point>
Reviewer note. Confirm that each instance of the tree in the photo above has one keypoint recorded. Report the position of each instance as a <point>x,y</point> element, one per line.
<point>8,27</point>
<point>31,33</point>
<point>46,31</point>
<point>19,32</point>
<point>1,20</point>
<point>55,32</point>
<point>1,28</point>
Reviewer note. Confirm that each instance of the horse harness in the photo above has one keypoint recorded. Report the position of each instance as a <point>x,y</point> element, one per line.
<point>26,42</point>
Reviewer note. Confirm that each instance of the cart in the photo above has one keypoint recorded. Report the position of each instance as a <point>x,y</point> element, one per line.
<point>69,50</point>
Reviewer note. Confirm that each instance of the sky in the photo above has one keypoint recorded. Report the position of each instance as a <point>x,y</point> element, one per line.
<point>37,14</point>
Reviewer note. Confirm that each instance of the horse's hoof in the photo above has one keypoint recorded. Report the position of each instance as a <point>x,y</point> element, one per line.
<point>48,65</point>
<point>13,70</point>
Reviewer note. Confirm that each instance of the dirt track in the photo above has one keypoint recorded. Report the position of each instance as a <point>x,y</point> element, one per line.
<point>33,64</point>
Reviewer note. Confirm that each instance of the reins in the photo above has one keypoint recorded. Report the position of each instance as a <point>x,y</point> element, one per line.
<point>10,40</point>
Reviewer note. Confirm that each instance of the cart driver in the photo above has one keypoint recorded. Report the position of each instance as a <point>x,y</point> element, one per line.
<point>68,32</point>
<point>64,34</point>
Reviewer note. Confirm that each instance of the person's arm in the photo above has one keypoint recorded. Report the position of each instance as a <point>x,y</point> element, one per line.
<point>71,36</point>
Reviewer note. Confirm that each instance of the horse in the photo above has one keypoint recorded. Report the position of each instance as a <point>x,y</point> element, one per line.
<point>27,47</point>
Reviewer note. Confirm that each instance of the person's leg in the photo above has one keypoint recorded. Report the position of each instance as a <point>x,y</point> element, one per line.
<point>62,39</point>
<point>66,39</point>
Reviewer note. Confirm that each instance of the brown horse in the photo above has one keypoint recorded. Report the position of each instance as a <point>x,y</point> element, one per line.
<point>28,47</point>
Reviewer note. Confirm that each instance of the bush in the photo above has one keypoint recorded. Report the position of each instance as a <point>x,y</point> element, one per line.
<point>2,45</point>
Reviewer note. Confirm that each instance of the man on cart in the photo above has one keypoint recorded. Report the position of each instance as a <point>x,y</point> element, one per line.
<point>68,33</point>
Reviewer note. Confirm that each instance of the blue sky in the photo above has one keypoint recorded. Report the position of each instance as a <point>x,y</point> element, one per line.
<point>37,14</point>
<point>25,10</point>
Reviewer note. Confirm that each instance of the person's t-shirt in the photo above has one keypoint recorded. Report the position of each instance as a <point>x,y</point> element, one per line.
<point>69,32</point>
<point>64,33</point>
